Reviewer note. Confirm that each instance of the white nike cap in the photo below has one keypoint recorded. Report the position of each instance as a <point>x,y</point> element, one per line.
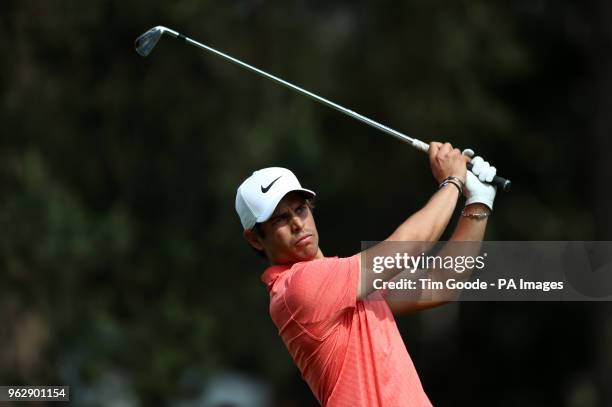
<point>259,194</point>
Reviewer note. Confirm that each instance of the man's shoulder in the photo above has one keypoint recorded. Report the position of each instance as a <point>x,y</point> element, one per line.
<point>318,290</point>
<point>320,272</point>
<point>307,273</point>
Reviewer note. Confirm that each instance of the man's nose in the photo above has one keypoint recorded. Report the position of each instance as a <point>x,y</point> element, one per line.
<point>296,222</point>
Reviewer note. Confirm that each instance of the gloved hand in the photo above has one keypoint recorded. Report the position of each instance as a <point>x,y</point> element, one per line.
<point>476,191</point>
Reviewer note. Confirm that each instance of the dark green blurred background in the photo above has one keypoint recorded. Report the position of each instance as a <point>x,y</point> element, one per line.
<point>123,272</point>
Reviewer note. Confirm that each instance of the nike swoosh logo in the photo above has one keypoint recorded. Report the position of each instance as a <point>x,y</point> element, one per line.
<point>266,189</point>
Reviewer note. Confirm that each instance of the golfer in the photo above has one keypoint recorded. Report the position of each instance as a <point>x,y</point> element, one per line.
<point>347,347</point>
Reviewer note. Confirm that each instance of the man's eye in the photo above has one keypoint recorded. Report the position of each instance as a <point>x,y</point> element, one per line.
<point>301,208</point>
<point>279,220</point>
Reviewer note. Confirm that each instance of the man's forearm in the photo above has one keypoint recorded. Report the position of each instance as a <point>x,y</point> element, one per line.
<point>428,223</point>
<point>470,228</point>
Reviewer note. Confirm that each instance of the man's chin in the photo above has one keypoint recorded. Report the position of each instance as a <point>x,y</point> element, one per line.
<point>306,255</point>
<point>298,254</point>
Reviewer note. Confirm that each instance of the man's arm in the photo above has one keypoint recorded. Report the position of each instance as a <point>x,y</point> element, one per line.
<point>427,224</point>
<point>470,228</point>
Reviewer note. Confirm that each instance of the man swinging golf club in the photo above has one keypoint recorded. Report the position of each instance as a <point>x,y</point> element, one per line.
<point>347,347</point>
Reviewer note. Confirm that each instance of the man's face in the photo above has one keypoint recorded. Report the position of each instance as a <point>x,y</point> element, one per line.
<point>290,235</point>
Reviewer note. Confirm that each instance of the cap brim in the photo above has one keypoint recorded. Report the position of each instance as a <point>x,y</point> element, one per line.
<point>265,215</point>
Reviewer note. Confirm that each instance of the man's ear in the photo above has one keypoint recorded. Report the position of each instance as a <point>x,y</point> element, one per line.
<point>253,239</point>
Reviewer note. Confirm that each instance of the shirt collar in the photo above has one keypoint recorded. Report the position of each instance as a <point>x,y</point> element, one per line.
<point>270,275</point>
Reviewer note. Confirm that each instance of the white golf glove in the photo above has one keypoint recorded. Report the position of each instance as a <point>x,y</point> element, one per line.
<point>476,191</point>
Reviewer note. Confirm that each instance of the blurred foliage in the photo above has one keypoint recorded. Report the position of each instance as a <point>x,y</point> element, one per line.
<point>120,250</point>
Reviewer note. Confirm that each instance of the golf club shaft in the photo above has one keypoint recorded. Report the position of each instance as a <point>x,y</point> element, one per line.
<point>502,183</point>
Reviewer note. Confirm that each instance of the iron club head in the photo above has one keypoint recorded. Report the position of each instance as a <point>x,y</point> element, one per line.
<point>147,41</point>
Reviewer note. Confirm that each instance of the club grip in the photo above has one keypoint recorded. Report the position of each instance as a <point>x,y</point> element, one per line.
<point>500,182</point>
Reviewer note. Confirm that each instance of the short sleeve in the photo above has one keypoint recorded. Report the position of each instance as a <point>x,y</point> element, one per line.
<point>321,291</point>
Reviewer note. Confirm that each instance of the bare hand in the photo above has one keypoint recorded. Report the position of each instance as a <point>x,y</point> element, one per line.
<point>446,161</point>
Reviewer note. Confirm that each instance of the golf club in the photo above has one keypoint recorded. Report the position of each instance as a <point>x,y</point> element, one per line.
<point>147,41</point>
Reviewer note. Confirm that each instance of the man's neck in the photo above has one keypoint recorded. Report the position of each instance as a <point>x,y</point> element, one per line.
<point>319,255</point>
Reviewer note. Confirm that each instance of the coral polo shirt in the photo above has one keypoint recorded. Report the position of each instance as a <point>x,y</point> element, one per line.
<point>349,352</point>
